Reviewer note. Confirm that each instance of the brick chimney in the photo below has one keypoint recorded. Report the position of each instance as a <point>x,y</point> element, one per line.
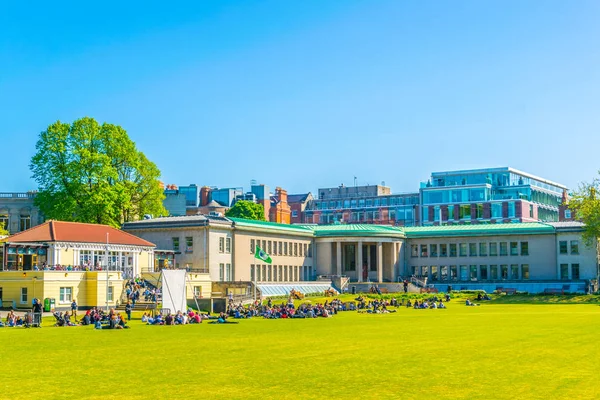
<point>204,195</point>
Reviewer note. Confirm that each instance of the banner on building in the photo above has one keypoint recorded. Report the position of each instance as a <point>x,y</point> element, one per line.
<point>173,290</point>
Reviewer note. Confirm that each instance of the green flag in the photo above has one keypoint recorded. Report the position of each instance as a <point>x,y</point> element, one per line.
<point>261,255</point>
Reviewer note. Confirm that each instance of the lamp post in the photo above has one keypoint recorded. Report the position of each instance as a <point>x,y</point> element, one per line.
<point>106,271</point>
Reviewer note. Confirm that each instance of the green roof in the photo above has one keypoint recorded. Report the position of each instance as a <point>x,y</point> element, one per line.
<point>523,228</point>
<point>240,222</point>
<point>353,230</point>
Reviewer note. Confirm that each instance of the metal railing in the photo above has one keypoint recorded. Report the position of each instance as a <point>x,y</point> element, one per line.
<point>17,195</point>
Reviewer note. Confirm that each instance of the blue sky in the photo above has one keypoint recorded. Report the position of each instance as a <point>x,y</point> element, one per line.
<point>309,94</point>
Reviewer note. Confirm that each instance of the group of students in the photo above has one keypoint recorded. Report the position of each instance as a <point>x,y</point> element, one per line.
<point>12,320</point>
<point>180,318</point>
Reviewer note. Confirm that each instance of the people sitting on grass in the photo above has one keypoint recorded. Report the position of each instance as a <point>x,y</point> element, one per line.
<point>63,319</point>
<point>13,320</point>
<point>470,303</point>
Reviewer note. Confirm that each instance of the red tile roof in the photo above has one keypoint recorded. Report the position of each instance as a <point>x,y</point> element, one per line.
<point>61,231</point>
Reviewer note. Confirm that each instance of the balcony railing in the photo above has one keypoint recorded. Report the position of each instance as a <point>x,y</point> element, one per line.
<point>17,195</point>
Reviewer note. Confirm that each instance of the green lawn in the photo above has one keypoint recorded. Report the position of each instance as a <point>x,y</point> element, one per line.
<point>499,351</point>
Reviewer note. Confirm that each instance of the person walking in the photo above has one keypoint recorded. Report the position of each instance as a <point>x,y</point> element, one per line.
<point>74,309</point>
<point>128,308</point>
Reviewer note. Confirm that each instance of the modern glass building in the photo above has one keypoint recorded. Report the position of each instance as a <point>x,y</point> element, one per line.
<point>489,195</point>
<point>372,204</point>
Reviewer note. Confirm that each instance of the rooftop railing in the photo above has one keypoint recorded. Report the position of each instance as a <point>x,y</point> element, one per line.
<point>17,195</point>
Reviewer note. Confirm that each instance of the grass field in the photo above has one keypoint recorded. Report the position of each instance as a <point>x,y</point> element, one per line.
<point>497,351</point>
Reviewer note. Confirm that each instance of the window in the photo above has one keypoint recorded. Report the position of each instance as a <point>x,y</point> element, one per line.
<point>496,210</point>
<point>197,291</point>
<point>444,272</point>
<point>66,294</point>
<point>252,272</point>
<point>574,247</point>
<point>228,245</point>
<point>251,246</point>
<point>483,249</point>
<point>453,273</point>
<point>473,272</point>
<point>23,295</point>
<point>221,272</point>
<point>269,248</point>
<point>295,249</point>
<point>563,247</point>
<point>280,249</point>
<point>564,271</point>
<point>305,247</point>
<point>175,241</point>
<point>472,249</point>
<point>462,249</point>
<point>221,245</point>
<point>425,213</point>
<point>452,249</point>
<point>295,213</point>
<point>493,272</point>
<point>503,248</point>
<point>443,250</point>
<point>511,209</point>
<point>514,248</point>
<point>450,213</point>
<point>504,271</point>
<point>285,250</point>
<point>464,273</point>
<point>531,211</point>
<point>434,273</point>
<point>525,271</point>
<point>25,223</point>
<point>228,272</point>
<point>524,248</point>
<point>189,243</point>
<point>423,250</point>
<point>493,249</point>
<point>464,211</point>
<point>514,271</point>
<point>414,250</point>
<point>433,250</point>
<point>479,211</point>
<point>574,271</point>
<point>567,214</point>
<point>111,293</point>
<point>310,250</point>
<point>300,249</point>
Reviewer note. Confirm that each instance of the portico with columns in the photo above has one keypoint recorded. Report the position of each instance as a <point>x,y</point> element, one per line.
<point>372,256</point>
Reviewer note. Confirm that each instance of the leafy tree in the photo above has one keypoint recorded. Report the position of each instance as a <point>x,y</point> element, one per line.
<point>586,203</point>
<point>3,231</point>
<point>247,210</point>
<point>87,172</point>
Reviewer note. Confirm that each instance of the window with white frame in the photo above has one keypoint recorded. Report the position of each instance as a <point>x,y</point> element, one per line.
<point>66,295</point>
<point>111,293</point>
<point>228,245</point>
<point>197,291</point>
<point>23,295</point>
<point>221,245</point>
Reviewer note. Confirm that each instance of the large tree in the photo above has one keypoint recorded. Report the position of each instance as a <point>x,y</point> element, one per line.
<point>3,231</point>
<point>585,202</point>
<point>247,210</point>
<point>87,172</point>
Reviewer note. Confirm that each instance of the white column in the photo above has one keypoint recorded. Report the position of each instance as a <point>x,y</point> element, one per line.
<point>379,261</point>
<point>359,258</point>
<point>394,260</point>
<point>368,260</point>
<point>338,258</point>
